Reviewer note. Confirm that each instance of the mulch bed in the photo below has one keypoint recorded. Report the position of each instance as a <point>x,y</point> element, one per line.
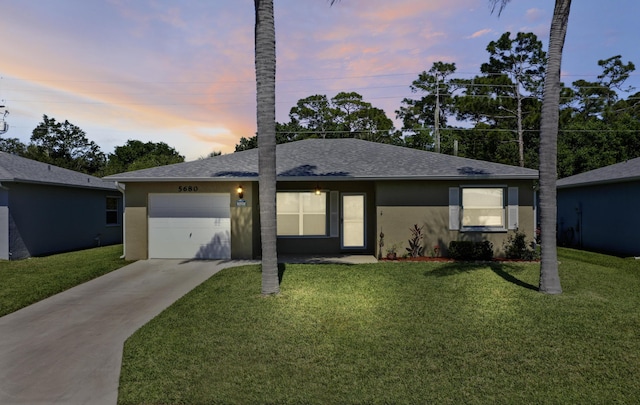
<point>449,260</point>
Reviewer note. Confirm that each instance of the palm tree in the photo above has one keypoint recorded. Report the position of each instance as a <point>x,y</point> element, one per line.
<point>549,279</point>
<point>265,60</point>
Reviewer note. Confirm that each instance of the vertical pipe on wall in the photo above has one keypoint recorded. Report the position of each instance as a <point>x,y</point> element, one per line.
<point>121,188</point>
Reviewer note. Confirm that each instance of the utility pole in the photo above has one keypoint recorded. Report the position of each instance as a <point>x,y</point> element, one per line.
<point>436,118</point>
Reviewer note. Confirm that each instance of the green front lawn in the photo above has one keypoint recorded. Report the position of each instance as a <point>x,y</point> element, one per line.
<point>396,333</point>
<point>23,282</point>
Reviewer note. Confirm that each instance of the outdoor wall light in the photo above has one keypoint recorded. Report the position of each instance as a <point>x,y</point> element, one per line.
<point>317,191</point>
<point>240,192</point>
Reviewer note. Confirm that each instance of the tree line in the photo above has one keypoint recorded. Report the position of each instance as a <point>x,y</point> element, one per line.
<point>66,145</point>
<point>493,116</point>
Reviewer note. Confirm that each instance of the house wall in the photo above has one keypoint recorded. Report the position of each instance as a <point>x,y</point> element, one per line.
<point>4,223</point>
<point>401,204</point>
<point>136,218</point>
<point>46,219</point>
<point>602,218</point>
<point>392,207</point>
<point>327,245</point>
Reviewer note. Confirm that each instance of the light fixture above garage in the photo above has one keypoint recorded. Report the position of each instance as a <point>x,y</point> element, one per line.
<point>240,192</point>
<point>317,191</point>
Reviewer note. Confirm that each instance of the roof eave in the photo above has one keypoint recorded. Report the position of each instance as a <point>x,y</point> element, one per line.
<point>599,182</point>
<point>90,186</point>
<point>176,179</point>
<point>323,178</point>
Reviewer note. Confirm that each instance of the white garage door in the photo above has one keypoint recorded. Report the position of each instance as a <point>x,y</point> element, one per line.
<point>189,226</point>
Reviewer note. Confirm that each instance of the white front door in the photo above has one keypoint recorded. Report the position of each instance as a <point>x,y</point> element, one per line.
<point>353,221</point>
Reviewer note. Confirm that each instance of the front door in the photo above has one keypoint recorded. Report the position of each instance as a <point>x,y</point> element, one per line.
<point>353,221</point>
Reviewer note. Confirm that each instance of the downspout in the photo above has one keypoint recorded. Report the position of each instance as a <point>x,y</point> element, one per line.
<point>121,188</point>
<point>9,254</point>
<point>535,216</point>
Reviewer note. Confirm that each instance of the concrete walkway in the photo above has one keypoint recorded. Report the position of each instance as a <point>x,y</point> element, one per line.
<point>67,349</point>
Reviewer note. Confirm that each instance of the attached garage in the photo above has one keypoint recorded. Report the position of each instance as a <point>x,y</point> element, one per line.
<point>189,226</point>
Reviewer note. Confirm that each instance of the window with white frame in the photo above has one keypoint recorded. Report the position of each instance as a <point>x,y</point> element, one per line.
<point>301,213</point>
<point>112,211</point>
<point>483,208</point>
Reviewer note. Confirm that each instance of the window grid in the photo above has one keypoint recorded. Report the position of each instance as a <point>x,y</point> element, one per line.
<point>112,217</point>
<point>483,207</point>
<point>301,214</point>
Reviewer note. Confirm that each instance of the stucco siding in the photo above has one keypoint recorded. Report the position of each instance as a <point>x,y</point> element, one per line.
<point>135,230</point>
<point>602,218</point>
<point>392,207</point>
<point>50,219</point>
<point>402,204</point>
<point>4,233</point>
<point>241,232</point>
<point>136,210</point>
<point>327,244</point>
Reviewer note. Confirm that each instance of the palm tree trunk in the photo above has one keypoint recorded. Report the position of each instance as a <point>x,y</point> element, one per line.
<point>549,278</point>
<point>265,43</point>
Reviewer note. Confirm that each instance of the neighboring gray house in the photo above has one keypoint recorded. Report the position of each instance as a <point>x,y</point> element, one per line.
<point>46,209</point>
<point>334,196</point>
<point>599,210</point>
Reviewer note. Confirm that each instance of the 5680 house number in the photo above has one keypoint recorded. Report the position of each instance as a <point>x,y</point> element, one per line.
<point>187,189</point>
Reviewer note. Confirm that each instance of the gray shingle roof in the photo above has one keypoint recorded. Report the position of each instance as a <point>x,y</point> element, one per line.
<point>619,172</point>
<point>18,169</point>
<point>335,159</point>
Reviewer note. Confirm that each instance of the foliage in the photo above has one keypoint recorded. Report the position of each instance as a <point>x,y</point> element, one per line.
<point>13,146</point>
<point>423,118</point>
<point>65,145</point>
<point>211,154</point>
<point>25,282</point>
<point>346,115</point>
<point>416,248</point>
<point>392,251</point>
<point>516,247</point>
<point>136,155</point>
<point>470,250</point>
<point>395,333</point>
<point>498,112</point>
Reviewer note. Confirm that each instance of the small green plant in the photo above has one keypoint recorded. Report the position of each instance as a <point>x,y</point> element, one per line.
<point>436,251</point>
<point>392,251</point>
<point>516,247</point>
<point>415,248</point>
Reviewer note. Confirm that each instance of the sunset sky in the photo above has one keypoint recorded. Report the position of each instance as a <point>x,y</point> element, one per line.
<point>182,72</point>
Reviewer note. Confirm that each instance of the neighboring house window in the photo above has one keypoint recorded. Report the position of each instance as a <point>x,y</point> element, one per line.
<point>483,208</point>
<point>301,213</point>
<point>112,211</point>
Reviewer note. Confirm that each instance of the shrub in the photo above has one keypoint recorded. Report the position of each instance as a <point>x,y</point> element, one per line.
<point>516,247</point>
<point>469,250</point>
<point>415,248</point>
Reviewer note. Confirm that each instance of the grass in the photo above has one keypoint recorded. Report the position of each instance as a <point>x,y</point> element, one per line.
<point>24,282</point>
<point>396,333</point>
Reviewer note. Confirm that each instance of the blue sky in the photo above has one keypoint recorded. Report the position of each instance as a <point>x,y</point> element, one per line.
<point>182,72</point>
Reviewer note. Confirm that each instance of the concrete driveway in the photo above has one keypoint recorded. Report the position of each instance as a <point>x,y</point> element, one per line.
<point>67,349</point>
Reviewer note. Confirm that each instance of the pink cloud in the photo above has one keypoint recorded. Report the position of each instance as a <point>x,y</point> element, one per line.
<point>480,33</point>
<point>534,15</point>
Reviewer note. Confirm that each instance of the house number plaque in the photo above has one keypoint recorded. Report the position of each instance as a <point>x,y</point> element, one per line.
<point>187,189</point>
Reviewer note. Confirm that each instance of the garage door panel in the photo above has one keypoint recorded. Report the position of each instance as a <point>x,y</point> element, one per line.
<point>189,206</point>
<point>184,227</point>
<point>198,230</point>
